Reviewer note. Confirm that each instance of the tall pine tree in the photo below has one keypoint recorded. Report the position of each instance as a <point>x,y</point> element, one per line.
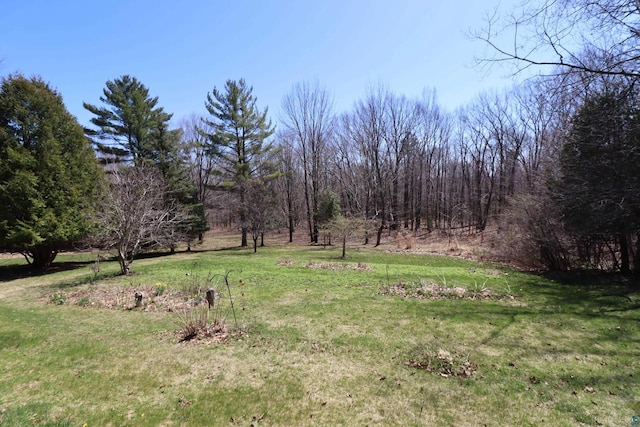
<point>128,123</point>
<point>239,140</point>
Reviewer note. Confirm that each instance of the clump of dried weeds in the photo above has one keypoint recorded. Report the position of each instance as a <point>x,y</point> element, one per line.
<point>442,362</point>
<point>430,290</point>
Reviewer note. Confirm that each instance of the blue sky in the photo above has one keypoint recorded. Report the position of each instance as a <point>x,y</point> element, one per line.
<point>180,50</point>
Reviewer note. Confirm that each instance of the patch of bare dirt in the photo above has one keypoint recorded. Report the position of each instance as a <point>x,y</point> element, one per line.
<point>460,243</point>
<point>8,255</point>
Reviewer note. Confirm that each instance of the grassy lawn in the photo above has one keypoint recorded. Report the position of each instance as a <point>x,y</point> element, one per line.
<point>382,338</point>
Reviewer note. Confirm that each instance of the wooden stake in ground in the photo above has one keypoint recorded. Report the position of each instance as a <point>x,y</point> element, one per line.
<point>211,297</point>
<point>138,297</point>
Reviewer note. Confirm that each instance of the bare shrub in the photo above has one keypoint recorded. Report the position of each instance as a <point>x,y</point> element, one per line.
<point>133,215</point>
<point>532,235</point>
<point>409,240</point>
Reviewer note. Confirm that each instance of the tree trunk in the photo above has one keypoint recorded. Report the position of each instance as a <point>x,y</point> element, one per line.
<point>636,265</point>
<point>344,247</point>
<point>396,221</point>
<point>624,254</point>
<point>313,236</point>
<point>42,257</point>
<point>243,217</point>
<point>407,212</point>
<point>124,263</point>
<point>244,241</point>
<point>379,235</point>
<point>291,228</point>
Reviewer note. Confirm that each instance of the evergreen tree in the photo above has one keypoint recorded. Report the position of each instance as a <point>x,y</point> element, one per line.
<point>600,163</point>
<point>49,176</point>
<point>167,155</point>
<point>328,210</point>
<point>328,207</point>
<point>128,123</point>
<point>239,140</point>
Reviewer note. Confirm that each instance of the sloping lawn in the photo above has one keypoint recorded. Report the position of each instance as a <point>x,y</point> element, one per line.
<point>381,338</point>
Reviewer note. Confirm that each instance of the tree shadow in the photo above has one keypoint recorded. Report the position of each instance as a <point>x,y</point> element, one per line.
<point>79,281</point>
<point>589,292</point>
<point>236,250</point>
<point>25,271</point>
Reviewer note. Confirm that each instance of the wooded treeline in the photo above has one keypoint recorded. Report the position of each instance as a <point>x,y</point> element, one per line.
<point>551,166</point>
<point>501,162</point>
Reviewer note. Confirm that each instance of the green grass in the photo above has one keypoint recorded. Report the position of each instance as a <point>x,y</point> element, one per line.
<point>318,346</point>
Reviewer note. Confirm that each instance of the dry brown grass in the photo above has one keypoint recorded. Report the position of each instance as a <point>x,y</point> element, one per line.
<point>334,266</point>
<point>463,244</point>
<point>432,290</point>
<point>123,298</point>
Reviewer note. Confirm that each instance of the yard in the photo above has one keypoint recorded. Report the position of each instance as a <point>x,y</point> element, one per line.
<point>385,337</point>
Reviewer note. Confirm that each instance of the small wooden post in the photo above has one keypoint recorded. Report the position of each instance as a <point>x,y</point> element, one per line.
<point>138,297</point>
<point>211,297</point>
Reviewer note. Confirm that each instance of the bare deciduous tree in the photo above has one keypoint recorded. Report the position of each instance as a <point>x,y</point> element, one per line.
<point>594,37</point>
<point>201,164</point>
<point>344,228</point>
<point>400,129</point>
<point>307,117</point>
<point>288,183</point>
<point>261,210</point>
<point>428,159</point>
<point>366,129</point>
<point>134,216</point>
